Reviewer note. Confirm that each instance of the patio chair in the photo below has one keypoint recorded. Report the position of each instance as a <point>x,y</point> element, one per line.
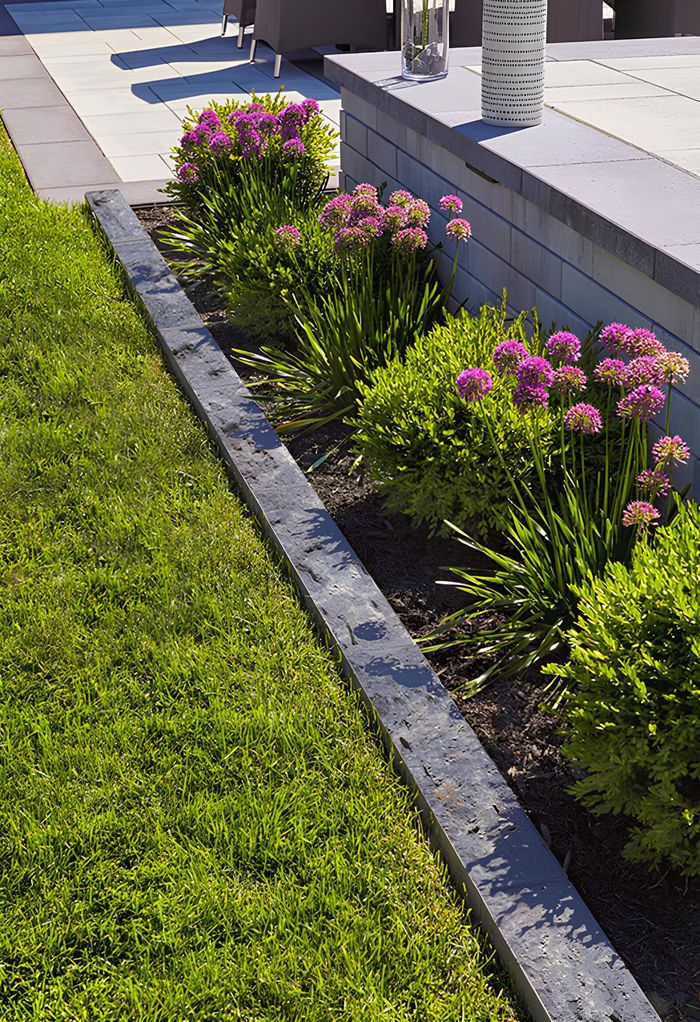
<point>287,25</point>
<point>567,21</point>
<point>244,11</point>
<point>651,19</point>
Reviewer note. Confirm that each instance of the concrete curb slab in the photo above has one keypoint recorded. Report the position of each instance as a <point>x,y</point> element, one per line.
<point>561,962</point>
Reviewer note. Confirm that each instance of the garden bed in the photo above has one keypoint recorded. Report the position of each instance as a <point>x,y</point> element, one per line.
<point>652,919</point>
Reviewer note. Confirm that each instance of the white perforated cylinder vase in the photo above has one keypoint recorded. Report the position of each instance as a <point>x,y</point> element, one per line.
<point>512,62</point>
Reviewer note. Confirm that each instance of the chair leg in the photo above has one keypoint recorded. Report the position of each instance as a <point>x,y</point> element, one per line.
<point>278,64</point>
<point>241,36</point>
<point>224,23</point>
<point>253,44</point>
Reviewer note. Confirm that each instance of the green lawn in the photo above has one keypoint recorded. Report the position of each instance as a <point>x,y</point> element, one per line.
<point>194,821</point>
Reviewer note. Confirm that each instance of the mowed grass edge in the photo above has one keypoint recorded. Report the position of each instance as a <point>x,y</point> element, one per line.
<point>194,821</point>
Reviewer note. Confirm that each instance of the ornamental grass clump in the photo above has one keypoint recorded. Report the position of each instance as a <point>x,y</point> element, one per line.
<point>594,492</point>
<point>632,721</point>
<point>421,430</point>
<point>382,294</point>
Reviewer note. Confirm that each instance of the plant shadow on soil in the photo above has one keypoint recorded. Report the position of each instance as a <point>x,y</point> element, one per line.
<point>653,919</point>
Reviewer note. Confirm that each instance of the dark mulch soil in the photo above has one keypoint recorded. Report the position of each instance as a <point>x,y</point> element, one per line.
<point>653,919</point>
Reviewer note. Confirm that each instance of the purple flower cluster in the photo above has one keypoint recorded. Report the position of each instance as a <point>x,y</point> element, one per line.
<point>358,218</point>
<point>644,402</point>
<point>188,173</point>
<point>287,236</point>
<point>450,204</point>
<point>534,371</point>
<point>564,347</point>
<point>473,384</point>
<point>459,229</point>
<point>508,355</point>
<point>670,449</point>
<point>583,418</point>
<point>641,515</point>
<point>568,380</point>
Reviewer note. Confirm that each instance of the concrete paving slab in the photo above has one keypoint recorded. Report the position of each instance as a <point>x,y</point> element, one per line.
<point>674,60</point>
<point>140,168</point>
<point>94,102</point>
<point>628,89</point>
<point>44,124</point>
<point>54,164</point>
<point>29,92</point>
<point>683,80</point>
<point>144,143</point>
<point>157,119</point>
<point>14,46</point>
<point>24,65</point>
<point>579,72</point>
<point>650,123</point>
<point>687,159</point>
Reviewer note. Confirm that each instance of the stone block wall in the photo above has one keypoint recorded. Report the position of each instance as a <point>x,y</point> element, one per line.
<point>540,261</point>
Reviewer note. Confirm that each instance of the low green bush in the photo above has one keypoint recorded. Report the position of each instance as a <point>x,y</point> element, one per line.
<point>428,451</point>
<point>633,718</point>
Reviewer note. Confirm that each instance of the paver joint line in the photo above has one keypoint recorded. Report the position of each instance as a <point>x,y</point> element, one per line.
<point>517,889</point>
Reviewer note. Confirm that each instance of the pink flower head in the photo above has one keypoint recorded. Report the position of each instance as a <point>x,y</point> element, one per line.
<point>294,148</point>
<point>643,403</point>
<point>395,217</point>
<point>527,396</point>
<point>653,483</point>
<point>451,204</point>
<point>610,370</point>
<point>366,189</point>
<point>418,213</point>
<point>267,124</point>
<point>564,347</point>
<point>473,384</point>
<point>365,204</point>
<point>643,369</point>
<point>336,212</point>
<point>372,226</point>
<point>643,342</point>
<point>535,371</point>
<point>219,142</point>
<point>459,229</point>
<point>209,117</point>
<point>641,515</point>
<point>616,336</point>
<point>569,380</point>
<point>508,355</point>
<point>673,367</point>
<point>310,109</point>
<point>409,240</point>
<point>188,173</point>
<point>400,198</point>
<point>670,449</point>
<point>287,236</point>
<point>349,241</point>
<point>583,418</point>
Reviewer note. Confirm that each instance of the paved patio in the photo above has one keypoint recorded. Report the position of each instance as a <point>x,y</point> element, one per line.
<point>93,91</point>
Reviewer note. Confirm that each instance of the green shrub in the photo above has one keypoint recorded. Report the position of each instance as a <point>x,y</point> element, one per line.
<point>633,719</point>
<point>429,452</point>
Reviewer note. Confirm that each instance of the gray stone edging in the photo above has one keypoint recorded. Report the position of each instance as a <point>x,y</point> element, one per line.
<point>561,962</point>
<point>536,162</point>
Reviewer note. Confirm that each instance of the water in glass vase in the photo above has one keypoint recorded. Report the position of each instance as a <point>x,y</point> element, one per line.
<point>424,35</point>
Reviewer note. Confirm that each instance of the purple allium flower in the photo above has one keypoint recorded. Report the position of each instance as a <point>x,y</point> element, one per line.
<point>508,355</point>
<point>670,448</point>
<point>188,173</point>
<point>395,217</point>
<point>653,483</point>
<point>267,124</point>
<point>459,229</point>
<point>365,204</point>
<point>569,380</point>
<point>336,211</point>
<point>473,384</point>
<point>564,347</point>
<point>409,240</point>
<point>583,418</point>
<point>400,198</point>
<point>287,236</point>
<point>372,225</point>
<point>644,369</point>
<point>673,367</point>
<point>209,117</point>
<point>418,213</point>
<point>643,342</point>
<point>294,148</point>
<point>643,402</point>
<point>292,116</point>
<point>616,336</point>
<point>252,146</point>
<point>366,189</point>
<point>349,241</point>
<point>640,514</point>
<point>527,396</point>
<point>255,108</point>
<point>534,371</point>
<point>310,109</point>
<point>610,370</point>
<point>220,142</point>
<point>190,138</point>
<point>451,204</point>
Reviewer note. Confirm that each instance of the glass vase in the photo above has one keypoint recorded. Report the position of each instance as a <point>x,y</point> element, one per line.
<point>425,28</point>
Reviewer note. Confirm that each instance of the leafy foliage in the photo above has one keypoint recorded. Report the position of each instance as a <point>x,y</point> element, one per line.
<point>431,454</point>
<point>633,718</point>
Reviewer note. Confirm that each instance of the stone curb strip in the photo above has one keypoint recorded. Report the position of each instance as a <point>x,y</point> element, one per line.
<point>561,962</point>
